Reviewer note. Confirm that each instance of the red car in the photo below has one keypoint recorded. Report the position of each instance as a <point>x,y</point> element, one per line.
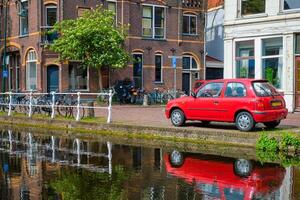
<point>243,101</point>
<point>225,178</point>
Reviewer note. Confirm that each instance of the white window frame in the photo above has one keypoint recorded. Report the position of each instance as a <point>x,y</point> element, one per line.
<point>274,56</point>
<point>161,68</point>
<point>20,19</point>
<point>87,78</point>
<point>191,63</point>
<point>190,15</point>
<point>153,21</point>
<point>236,59</point>
<point>288,10</point>
<point>47,6</point>
<point>29,60</point>
<point>240,15</point>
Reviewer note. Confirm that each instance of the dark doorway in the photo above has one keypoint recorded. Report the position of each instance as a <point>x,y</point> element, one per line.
<point>186,83</point>
<point>52,78</point>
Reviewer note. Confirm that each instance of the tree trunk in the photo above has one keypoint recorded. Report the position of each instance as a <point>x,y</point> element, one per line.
<point>100,79</point>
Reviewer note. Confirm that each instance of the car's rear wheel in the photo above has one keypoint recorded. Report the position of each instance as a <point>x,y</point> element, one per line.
<point>244,121</point>
<point>177,117</point>
<point>176,158</point>
<point>272,124</point>
<point>243,167</point>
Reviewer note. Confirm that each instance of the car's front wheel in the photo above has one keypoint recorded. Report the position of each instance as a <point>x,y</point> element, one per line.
<point>177,117</point>
<point>244,121</point>
<point>272,124</point>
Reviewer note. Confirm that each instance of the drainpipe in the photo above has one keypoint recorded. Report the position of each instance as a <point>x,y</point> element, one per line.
<point>5,41</point>
<point>204,44</point>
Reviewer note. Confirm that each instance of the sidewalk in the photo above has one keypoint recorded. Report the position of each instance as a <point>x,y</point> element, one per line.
<point>155,116</point>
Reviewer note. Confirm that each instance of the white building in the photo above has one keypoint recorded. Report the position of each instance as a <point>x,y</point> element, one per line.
<point>262,40</point>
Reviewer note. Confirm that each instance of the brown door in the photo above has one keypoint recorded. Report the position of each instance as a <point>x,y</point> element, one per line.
<point>297,83</point>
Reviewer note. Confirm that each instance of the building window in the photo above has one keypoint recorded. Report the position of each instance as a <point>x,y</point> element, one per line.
<point>153,22</point>
<point>111,5</point>
<point>189,63</point>
<point>78,77</point>
<point>51,15</point>
<point>250,7</point>
<point>81,10</point>
<point>297,46</point>
<point>23,14</point>
<point>158,68</point>
<point>272,61</point>
<point>291,4</point>
<point>245,63</point>
<point>31,70</point>
<point>189,26</point>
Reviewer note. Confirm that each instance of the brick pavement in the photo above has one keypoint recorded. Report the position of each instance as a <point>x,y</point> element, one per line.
<point>154,116</point>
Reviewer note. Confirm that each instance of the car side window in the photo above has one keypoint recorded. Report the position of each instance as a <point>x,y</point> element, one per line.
<point>210,90</point>
<point>235,90</point>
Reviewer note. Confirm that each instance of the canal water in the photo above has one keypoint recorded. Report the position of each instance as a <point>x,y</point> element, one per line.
<point>43,166</point>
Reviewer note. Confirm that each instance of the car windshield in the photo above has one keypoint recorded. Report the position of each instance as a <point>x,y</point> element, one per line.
<point>264,89</point>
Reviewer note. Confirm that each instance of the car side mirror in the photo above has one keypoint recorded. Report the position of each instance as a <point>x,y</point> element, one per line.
<point>193,94</point>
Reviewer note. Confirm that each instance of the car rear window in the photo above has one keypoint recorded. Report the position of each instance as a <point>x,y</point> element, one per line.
<point>264,89</point>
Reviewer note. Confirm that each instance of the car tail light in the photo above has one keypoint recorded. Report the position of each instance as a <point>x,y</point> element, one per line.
<point>260,105</point>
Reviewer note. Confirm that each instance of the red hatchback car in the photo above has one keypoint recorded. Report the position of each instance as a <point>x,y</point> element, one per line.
<point>242,101</point>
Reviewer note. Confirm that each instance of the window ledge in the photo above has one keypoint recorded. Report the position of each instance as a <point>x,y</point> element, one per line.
<point>291,11</point>
<point>187,34</point>
<point>23,36</point>
<point>159,82</point>
<point>156,39</point>
<point>251,16</point>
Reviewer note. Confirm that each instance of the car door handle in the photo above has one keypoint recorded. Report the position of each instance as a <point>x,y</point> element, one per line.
<point>216,102</point>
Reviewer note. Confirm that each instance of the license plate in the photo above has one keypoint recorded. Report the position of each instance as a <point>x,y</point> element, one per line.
<point>276,103</point>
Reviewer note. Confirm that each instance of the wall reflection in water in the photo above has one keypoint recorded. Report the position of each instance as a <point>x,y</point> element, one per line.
<point>35,166</point>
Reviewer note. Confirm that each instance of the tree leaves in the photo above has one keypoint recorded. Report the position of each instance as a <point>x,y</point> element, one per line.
<point>93,39</point>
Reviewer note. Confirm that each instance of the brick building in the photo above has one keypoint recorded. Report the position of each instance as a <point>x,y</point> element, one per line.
<point>158,29</point>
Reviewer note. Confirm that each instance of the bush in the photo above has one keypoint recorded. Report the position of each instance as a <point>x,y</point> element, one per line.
<point>265,143</point>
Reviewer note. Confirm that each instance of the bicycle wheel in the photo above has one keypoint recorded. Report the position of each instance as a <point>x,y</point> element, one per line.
<point>61,109</point>
<point>73,113</point>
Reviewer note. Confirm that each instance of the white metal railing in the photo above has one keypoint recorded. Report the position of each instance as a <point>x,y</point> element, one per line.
<point>6,99</point>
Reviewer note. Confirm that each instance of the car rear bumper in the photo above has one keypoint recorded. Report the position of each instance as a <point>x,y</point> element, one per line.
<point>270,115</point>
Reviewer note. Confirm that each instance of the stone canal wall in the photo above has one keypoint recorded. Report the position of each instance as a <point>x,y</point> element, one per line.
<point>182,134</point>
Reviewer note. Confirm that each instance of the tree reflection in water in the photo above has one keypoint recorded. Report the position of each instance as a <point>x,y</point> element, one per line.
<point>87,185</point>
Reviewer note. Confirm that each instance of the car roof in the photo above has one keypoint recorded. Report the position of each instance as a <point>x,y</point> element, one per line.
<point>236,80</point>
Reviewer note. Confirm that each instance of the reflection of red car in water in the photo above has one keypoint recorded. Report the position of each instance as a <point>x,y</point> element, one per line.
<point>225,178</point>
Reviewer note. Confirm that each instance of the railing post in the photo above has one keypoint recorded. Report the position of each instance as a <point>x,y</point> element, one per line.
<point>78,107</point>
<point>30,104</point>
<point>9,104</point>
<point>53,105</point>
<point>109,106</point>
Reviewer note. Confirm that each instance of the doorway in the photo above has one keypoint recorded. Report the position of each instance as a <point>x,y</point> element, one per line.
<point>297,79</point>
<point>186,82</point>
<point>52,78</point>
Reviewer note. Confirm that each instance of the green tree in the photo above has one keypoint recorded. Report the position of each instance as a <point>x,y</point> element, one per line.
<point>93,39</point>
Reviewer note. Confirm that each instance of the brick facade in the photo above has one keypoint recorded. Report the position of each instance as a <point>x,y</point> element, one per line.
<point>128,12</point>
